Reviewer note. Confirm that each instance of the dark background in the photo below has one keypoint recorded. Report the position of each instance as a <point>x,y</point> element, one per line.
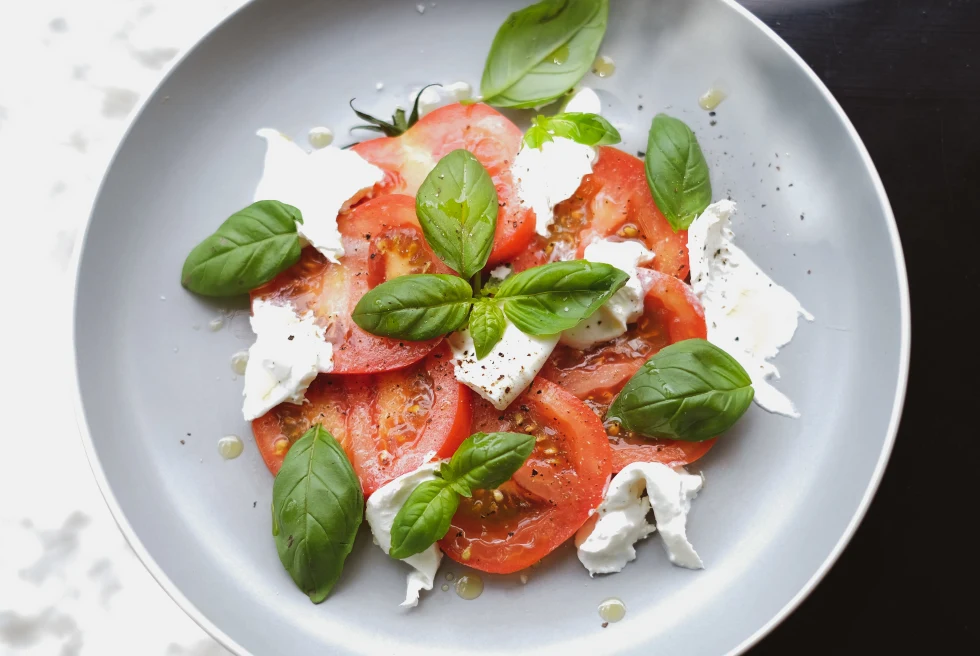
<point>907,72</point>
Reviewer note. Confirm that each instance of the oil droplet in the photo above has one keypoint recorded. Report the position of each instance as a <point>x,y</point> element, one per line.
<point>239,361</point>
<point>445,587</point>
<point>449,576</point>
<point>215,324</point>
<point>469,586</point>
<point>711,98</point>
<point>612,610</point>
<point>604,66</point>
<point>560,55</point>
<point>320,137</point>
<point>230,447</point>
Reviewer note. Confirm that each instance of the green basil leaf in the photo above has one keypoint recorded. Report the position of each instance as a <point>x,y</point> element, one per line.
<point>457,207</point>
<point>484,461</point>
<point>581,127</point>
<point>691,390</point>
<point>542,51</point>
<point>486,327</point>
<point>424,519</point>
<point>677,171</point>
<point>554,297</point>
<point>415,307</point>
<point>536,136</point>
<point>317,507</point>
<point>249,249</point>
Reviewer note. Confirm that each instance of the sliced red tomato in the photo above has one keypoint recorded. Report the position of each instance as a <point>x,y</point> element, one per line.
<point>382,240</point>
<point>549,498</point>
<point>478,128</point>
<point>614,200</point>
<point>389,423</point>
<point>671,313</point>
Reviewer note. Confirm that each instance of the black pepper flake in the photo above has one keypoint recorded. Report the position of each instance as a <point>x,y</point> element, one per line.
<point>524,408</point>
<point>605,624</point>
<point>713,123</point>
<point>712,113</point>
<point>640,107</point>
<point>373,255</point>
<point>777,188</point>
<point>291,337</point>
<point>801,216</point>
<point>641,153</point>
<point>808,272</point>
<point>183,442</point>
<point>534,472</point>
<point>255,503</point>
<point>506,390</point>
<point>368,236</point>
<point>790,184</point>
<point>188,435</point>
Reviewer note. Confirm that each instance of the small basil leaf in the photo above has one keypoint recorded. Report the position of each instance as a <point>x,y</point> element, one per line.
<point>542,51</point>
<point>554,297</point>
<point>484,461</point>
<point>424,519</point>
<point>691,390</point>
<point>536,136</point>
<point>457,207</point>
<point>317,507</point>
<point>415,307</point>
<point>486,327</point>
<point>677,171</point>
<point>249,249</point>
<point>580,127</point>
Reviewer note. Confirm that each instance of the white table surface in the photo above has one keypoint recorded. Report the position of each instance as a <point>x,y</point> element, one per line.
<point>71,71</point>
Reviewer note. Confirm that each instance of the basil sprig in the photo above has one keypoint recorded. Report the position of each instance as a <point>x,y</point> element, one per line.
<point>677,171</point>
<point>487,325</point>
<point>581,127</point>
<point>317,507</point>
<point>415,307</point>
<point>542,51</point>
<point>249,249</point>
<point>483,461</point>
<point>457,207</point>
<point>690,390</point>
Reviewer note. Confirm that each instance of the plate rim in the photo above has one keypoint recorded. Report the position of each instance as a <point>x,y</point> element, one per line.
<point>901,386</point>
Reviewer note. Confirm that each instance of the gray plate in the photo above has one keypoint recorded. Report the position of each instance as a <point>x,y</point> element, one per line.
<point>782,496</point>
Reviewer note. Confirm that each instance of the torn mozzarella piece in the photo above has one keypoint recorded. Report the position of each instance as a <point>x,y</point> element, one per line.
<point>319,184</point>
<point>380,511</point>
<point>609,544</point>
<point>585,101</point>
<point>748,315</point>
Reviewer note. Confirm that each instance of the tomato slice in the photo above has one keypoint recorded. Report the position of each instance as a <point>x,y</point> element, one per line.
<point>478,128</point>
<point>389,423</point>
<point>614,200</point>
<point>671,313</point>
<point>549,498</point>
<point>382,239</point>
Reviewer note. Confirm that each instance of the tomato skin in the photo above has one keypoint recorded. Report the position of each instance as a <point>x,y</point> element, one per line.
<point>377,233</point>
<point>387,423</point>
<point>549,498</point>
<point>612,201</point>
<point>489,135</point>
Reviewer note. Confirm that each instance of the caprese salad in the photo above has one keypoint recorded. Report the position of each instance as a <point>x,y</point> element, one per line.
<point>487,342</point>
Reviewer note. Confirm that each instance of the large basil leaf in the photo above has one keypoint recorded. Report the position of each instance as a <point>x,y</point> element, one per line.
<point>317,507</point>
<point>424,519</point>
<point>677,171</point>
<point>457,207</point>
<point>554,297</point>
<point>487,325</point>
<point>584,128</point>
<point>542,51</point>
<point>415,307</point>
<point>485,461</point>
<point>691,390</point>
<point>248,250</point>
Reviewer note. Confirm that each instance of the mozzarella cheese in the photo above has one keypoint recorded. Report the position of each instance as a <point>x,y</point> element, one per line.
<point>435,97</point>
<point>380,511</point>
<point>625,306</point>
<point>507,370</point>
<point>289,351</point>
<point>548,175</point>
<point>609,545</point>
<point>585,100</point>
<point>320,184</point>
<point>748,315</point>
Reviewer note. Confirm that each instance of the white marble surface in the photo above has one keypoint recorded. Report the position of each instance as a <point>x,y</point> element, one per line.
<point>70,73</point>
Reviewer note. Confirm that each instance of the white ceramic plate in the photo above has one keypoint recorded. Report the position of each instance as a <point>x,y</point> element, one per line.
<point>156,389</point>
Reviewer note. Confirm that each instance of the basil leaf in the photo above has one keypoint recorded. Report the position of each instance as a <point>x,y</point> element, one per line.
<point>317,507</point>
<point>457,207</point>
<point>581,127</point>
<point>677,172</point>
<point>542,51</point>
<point>486,327</point>
<point>424,519</point>
<point>249,249</point>
<point>554,297</point>
<point>484,461</point>
<point>415,307</point>
<point>691,390</point>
